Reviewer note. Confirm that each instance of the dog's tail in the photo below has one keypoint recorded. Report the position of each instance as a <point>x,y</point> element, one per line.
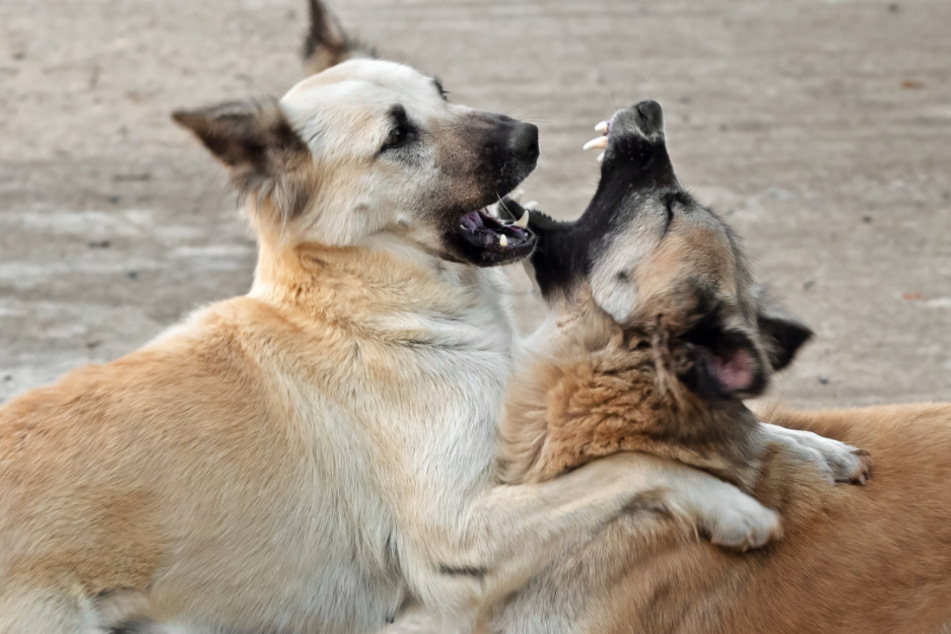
<point>326,43</point>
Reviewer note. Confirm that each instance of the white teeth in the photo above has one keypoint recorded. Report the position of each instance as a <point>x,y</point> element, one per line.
<point>532,204</point>
<point>601,142</point>
<point>517,195</point>
<point>523,221</point>
<point>600,157</point>
<point>602,127</point>
<point>503,241</point>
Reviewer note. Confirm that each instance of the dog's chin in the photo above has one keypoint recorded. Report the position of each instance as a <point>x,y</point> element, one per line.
<point>481,239</point>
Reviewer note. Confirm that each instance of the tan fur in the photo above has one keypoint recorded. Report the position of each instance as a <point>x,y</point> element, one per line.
<point>875,559</point>
<point>318,455</point>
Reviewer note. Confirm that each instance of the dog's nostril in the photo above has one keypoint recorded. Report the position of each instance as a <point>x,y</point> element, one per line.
<point>524,142</point>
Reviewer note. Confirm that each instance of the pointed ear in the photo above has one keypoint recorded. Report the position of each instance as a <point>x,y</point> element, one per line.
<point>782,335</point>
<point>253,140</point>
<point>327,44</point>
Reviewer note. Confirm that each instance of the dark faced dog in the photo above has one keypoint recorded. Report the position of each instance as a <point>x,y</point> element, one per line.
<point>656,334</point>
<point>656,322</point>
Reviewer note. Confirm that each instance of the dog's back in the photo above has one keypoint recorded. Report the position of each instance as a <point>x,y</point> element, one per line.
<point>870,559</point>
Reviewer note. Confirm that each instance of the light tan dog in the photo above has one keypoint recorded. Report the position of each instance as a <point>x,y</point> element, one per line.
<point>318,454</point>
<point>656,333</point>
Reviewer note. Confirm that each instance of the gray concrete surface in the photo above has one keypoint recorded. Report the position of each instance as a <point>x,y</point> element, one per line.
<point>820,130</point>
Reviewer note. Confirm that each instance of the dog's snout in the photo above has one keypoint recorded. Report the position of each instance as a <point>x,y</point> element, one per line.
<point>523,144</point>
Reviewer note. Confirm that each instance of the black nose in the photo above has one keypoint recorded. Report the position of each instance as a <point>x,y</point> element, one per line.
<point>523,144</point>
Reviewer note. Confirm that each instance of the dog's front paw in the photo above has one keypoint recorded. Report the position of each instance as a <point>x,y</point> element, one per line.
<point>727,516</point>
<point>742,524</point>
<point>839,461</point>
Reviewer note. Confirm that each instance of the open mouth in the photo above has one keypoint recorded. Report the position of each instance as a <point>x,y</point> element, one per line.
<point>599,142</point>
<point>496,239</point>
<point>634,149</point>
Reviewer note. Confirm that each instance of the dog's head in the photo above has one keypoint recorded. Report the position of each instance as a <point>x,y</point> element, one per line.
<point>658,264</point>
<point>366,146</point>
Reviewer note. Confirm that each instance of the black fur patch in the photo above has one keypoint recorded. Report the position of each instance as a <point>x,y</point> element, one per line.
<point>710,338</point>
<point>783,338</point>
<point>636,170</point>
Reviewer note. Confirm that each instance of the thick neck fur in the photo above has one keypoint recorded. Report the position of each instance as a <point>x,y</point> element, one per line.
<point>382,297</point>
<point>586,387</point>
<point>386,288</point>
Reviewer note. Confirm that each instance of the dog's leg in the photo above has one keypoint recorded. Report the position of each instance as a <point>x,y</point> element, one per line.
<point>514,531</point>
<point>523,526</point>
<point>839,461</point>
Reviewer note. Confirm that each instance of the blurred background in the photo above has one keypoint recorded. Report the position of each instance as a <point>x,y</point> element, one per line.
<point>821,130</point>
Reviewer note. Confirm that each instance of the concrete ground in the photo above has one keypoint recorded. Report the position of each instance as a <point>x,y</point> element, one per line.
<point>820,130</point>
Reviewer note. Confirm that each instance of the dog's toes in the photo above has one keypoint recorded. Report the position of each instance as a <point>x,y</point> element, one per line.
<point>853,466</point>
<point>863,468</point>
<point>745,528</point>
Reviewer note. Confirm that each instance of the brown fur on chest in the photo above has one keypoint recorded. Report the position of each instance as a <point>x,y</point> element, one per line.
<point>569,411</point>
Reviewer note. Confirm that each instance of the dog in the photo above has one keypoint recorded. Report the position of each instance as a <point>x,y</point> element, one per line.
<point>657,332</point>
<point>319,454</point>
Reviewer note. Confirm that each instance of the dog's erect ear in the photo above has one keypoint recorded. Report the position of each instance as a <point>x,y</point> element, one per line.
<point>781,333</point>
<point>253,140</point>
<point>327,44</point>
<point>782,338</point>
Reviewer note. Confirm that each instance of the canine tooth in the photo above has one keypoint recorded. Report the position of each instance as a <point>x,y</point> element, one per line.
<point>600,157</point>
<point>602,127</point>
<point>503,241</point>
<point>523,221</point>
<point>601,142</point>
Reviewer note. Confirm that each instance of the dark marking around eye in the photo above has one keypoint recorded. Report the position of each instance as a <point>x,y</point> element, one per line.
<point>401,130</point>
<point>442,91</point>
<point>398,114</point>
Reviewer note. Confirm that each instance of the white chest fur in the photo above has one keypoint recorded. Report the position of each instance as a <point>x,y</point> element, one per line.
<point>400,436</point>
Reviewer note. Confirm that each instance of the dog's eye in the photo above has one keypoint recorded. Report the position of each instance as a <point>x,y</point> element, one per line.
<point>401,131</point>
<point>396,138</point>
